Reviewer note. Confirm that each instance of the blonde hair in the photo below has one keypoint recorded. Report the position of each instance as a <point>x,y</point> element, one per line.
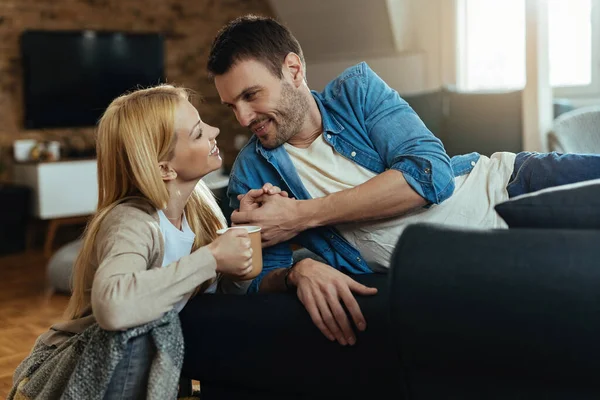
<point>136,132</point>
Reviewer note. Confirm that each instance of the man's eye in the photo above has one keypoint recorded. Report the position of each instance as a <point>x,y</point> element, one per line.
<point>249,96</point>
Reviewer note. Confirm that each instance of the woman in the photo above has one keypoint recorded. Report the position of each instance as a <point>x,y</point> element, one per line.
<point>152,242</point>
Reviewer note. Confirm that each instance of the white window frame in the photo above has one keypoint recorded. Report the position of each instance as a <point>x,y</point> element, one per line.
<point>461,32</point>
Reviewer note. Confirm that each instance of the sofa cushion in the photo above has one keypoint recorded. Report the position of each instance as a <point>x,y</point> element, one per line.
<point>573,206</point>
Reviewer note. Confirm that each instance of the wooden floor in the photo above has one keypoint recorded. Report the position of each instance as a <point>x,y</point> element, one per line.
<point>27,309</point>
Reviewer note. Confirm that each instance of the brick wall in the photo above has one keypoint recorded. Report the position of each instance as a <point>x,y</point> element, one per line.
<point>188,25</point>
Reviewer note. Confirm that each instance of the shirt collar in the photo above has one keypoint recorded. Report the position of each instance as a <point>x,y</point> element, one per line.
<point>330,124</point>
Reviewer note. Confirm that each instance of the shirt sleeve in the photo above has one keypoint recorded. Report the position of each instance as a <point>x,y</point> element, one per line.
<point>125,292</point>
<point>404,142</point>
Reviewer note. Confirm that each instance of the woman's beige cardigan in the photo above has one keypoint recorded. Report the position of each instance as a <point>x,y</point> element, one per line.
<point>129,287</point>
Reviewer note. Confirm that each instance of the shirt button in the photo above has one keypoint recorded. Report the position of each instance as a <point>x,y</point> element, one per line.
<point>427,170</point>
<point>472,163</point>
<point>328,136</point>
<point>331,237</point>
<point>353,154</point>
<point>358,259</point>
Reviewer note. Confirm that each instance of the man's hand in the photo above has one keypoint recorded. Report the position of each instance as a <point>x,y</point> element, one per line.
<point>320,288</point>
<point>249,201</point>
<point>278,216</point>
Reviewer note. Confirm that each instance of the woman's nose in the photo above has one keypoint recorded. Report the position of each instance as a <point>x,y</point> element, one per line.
<point>214,132</point>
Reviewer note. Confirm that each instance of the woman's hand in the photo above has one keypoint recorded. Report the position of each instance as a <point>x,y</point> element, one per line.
<point>233,252</point>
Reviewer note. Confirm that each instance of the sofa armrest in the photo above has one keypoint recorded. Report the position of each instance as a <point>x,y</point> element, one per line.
<point>505,310</point>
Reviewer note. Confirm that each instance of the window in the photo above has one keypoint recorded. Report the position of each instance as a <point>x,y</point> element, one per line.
<point>570,42</point>
<point>491,45</point>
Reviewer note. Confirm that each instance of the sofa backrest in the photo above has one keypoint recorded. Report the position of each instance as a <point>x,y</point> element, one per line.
<point>485,122</point>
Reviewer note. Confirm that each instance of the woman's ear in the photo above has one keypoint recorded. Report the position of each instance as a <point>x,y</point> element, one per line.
<point>166,172</point>
<point>293,64</point>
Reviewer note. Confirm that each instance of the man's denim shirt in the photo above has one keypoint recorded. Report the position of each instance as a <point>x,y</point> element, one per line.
<point>367,122</point>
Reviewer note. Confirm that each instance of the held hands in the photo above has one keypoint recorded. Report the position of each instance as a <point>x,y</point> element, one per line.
<point>270,208</point>
<point>251,200</point>
<point>233,252</point>
<point>322,289</point>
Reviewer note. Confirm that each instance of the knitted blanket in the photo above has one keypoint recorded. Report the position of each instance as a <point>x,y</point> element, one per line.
<point>81,368</point>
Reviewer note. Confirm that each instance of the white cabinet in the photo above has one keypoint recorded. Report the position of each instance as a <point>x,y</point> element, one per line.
<point>61,189</point>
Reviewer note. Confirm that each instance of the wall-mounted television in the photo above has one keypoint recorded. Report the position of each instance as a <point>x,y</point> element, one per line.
<point>70,77</point>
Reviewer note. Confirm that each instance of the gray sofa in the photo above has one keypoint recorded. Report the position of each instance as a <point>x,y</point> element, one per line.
<point>499,314</point>
<point>464,314</point>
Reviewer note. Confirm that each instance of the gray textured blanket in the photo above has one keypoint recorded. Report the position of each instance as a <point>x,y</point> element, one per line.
<point>81,368</point>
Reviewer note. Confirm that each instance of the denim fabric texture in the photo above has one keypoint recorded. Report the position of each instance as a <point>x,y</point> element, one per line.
<point>537,171</point>
<point>130,378</point>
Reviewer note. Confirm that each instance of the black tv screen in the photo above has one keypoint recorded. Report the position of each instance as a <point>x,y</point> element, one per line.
<point>70,77</point>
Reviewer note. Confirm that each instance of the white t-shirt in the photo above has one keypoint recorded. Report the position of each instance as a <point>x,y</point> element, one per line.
<point>178,243</point>
<point>324,171</point>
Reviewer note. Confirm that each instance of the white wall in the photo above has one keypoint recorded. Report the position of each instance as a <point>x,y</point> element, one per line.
<point>395,37</point>
<point>403,72</point>
<point>433,29</point>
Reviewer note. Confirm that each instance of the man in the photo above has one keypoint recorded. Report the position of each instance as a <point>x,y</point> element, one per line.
<point>359,166</point>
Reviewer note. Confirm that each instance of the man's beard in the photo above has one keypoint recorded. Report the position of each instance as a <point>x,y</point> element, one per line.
<point>291,112</point>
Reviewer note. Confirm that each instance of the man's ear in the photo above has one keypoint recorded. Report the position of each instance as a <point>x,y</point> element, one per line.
<point>292,64</point>
<point>166,172</point>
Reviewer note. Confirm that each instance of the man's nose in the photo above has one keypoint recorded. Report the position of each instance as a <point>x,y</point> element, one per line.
<point>245,116</point>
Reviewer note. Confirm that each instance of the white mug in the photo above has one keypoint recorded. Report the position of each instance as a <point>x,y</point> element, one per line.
<point>22,149</point>
<point>53,149</point>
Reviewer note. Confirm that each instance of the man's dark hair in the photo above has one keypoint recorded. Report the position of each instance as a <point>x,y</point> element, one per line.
<point>252,37</point>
